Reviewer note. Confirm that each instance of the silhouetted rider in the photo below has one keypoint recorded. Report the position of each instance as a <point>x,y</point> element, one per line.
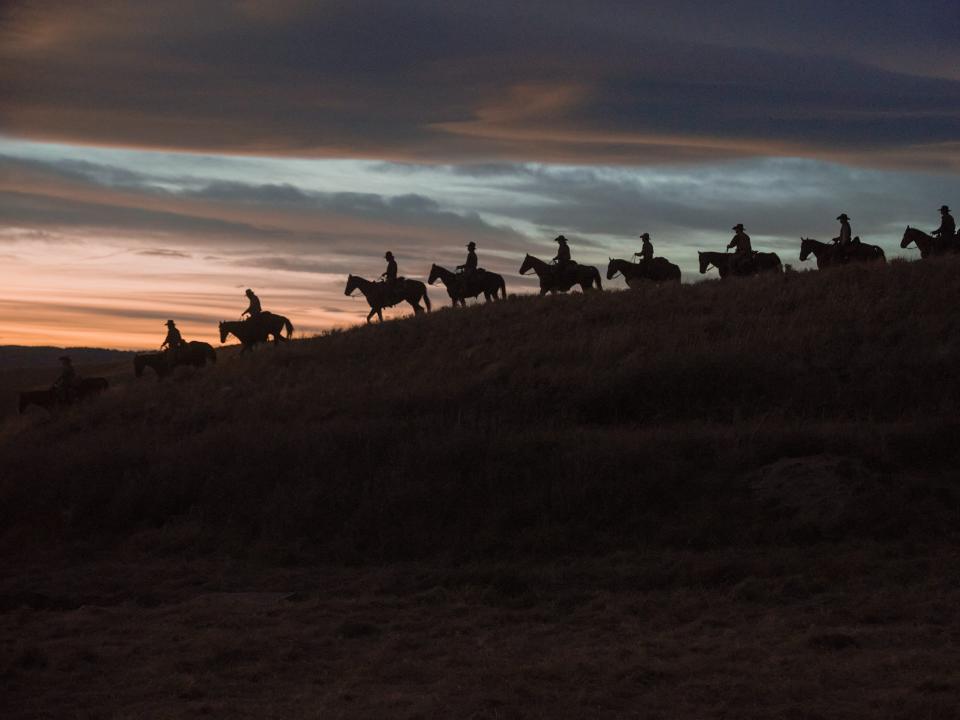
<point>563,252</point>
<point>846,235</point>
<point>174,339</point>
<point>254,308</point>
<point>743,252</point>
<point>948,228</point>
<point>469,268</point>
<point>471,264</point>
<point>66,385</point>
<point>390,274</point>
<point>646,250</point>
<point>562,260</point>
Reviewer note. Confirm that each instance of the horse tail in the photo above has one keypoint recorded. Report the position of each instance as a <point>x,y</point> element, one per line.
<point>426,299</point>
<point>289,326</point>
<point>596,278</point>
<point>503,288</point>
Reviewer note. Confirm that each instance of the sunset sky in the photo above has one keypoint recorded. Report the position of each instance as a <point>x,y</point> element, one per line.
<point>157,158</point>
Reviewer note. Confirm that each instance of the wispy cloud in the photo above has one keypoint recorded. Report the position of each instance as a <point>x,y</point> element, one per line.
<point>163,253</point>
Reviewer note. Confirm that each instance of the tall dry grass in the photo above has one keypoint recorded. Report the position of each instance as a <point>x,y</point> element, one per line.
<point>532,425</point>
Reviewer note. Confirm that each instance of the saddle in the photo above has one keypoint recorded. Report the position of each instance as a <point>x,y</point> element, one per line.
<point>744,263</point>
<point>393,291</point>
<point>471,279</point>
<point>251,320</point>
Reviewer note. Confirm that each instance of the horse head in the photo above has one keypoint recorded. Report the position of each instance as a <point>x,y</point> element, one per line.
<point>612,268</point>
<point>704,263</point>
<point>351,284</point>
<point>527,264</point>
<point>909,236</point>
<point>434,274</point>
<point>806,247</point>
<point>223,332</point>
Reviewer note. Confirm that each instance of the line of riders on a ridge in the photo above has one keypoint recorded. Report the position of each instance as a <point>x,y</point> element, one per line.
<point>562,272</point>
<point>471,280</point>
<point>174,350</point>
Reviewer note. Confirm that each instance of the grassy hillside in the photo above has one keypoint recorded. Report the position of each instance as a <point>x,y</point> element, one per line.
<point>732,499</point>
<point>778,409</point>
<point>24,356</point>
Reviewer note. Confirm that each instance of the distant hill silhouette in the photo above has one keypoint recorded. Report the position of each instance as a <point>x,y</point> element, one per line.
<point>664,415</point>
<point>23,356</point>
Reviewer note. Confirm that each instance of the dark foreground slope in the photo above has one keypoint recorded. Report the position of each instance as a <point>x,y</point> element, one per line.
<point>537,425</point>
<point>730,500</point>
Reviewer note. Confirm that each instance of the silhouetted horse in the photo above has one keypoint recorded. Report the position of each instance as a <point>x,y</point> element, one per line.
<point>256,329</point>
<point>828,254</point>
<point>195,353</point>
<point>459,287</point>
<point>927,244</point>
<point>657,270</point>
<point>552,280</point>
<point>381,295</point>
<point>761,262</point>
<point>51,398</point>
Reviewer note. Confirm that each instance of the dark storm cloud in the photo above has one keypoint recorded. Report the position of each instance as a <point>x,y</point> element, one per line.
<point>608,82</point>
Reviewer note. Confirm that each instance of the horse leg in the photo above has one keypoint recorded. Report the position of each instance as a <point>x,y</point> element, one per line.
<point>380,314</point>
<point>372,313</point>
